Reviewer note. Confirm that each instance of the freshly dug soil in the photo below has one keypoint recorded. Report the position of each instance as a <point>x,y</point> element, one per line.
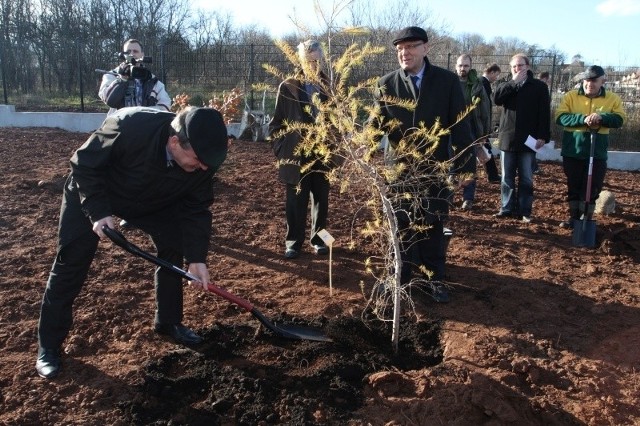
<point>537,332</point>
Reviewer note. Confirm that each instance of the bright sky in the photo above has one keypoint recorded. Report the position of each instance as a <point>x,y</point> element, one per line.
<point>605,32</point>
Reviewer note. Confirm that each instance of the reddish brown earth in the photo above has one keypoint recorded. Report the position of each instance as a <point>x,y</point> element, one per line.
<point>538,332</point>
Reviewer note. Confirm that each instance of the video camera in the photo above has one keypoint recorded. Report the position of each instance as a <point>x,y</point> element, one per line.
<point>134,68</point>
<point>130,59</point>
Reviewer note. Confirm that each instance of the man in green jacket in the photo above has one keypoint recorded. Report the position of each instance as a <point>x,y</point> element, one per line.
<point>154,169</point>
<point>474,93</point>
<point>589,107</point>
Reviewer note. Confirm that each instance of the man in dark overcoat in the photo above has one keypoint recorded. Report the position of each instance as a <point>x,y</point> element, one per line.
<point>439,98</point>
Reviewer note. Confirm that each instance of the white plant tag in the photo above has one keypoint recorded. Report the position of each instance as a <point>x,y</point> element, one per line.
<point>326,237</point>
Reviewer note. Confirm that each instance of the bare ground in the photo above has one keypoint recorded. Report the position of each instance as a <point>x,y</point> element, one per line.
<point>538,332</point>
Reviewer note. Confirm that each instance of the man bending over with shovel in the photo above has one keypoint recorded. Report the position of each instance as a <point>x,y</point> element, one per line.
<point>588,108</point>
<point>155,170</point>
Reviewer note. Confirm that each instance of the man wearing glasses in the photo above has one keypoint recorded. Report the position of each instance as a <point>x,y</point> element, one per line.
<point>154,169</point>
<point>438,97</point>
<point>526,98</point>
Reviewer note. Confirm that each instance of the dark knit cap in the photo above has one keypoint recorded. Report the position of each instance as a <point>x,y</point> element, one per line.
<point>207,135</point>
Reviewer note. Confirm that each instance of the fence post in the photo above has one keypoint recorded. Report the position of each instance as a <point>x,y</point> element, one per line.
<point>163,71</point>
<point>251,73</point>
<point>553,74</point>
<point>79,57</point>
<point>4,73</point>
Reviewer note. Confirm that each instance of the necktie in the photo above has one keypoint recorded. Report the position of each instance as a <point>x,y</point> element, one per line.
<point>414,79</point>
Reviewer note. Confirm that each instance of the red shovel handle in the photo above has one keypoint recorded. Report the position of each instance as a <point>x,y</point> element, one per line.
<point>121,241</point>
<point>245,304</point>
<point>592,149</point>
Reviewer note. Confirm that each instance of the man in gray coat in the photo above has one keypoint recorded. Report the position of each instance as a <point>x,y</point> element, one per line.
<point>439,97</point>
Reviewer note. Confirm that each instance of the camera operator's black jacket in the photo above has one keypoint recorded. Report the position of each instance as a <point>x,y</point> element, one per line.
<point>118,92</point>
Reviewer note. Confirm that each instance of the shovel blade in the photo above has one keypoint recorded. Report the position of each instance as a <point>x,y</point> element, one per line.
<point>291,331</point>
<point>584,233</point>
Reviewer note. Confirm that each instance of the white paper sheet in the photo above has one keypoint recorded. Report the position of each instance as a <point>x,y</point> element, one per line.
<point>531,143</point>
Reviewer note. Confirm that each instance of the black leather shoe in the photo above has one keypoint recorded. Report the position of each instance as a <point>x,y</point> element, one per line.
<point>179,333</point>
<point>320,249</point>
<point>48,363</point>
<point>291,253</point>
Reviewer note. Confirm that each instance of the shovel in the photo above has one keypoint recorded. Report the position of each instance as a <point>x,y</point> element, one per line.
<point>584,230</point>
<point>288,331</point>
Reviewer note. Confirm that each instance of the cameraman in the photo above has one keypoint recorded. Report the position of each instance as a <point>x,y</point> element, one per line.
<point>144,89</point>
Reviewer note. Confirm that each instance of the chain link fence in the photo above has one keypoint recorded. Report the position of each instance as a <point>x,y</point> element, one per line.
<point>207,71</point>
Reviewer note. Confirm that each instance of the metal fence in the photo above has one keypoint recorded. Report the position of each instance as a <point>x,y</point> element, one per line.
<point>207,71</point>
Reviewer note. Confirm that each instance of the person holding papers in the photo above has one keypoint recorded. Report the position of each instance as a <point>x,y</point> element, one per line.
<point>526,114</point>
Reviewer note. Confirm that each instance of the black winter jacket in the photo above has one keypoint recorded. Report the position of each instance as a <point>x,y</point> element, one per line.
<point>122,170</point>
<point>526,111</point>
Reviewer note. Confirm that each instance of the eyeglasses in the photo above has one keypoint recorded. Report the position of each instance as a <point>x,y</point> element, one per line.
<point>408,46</point>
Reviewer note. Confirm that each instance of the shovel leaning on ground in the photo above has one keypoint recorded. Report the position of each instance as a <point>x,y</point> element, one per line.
<point>288,331</point>
<point>584,230</point>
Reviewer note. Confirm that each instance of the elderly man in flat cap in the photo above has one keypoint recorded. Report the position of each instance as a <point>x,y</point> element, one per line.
<point>439,97</point>
<point>155,170</point>
<point>589,107</point>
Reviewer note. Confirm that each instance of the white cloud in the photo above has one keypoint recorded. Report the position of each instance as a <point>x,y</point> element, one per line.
<point>619,7</point>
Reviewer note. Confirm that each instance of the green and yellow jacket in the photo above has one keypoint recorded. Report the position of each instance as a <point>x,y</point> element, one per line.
<point>570,114</point>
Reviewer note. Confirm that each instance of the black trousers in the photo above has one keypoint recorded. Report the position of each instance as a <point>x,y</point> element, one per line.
<point>314,188</point>
<point>77,246</point>
<point>421,248</point>
<point>577,172</point>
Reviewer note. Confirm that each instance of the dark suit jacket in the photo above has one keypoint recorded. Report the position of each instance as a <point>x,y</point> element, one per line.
<point>440,98</point>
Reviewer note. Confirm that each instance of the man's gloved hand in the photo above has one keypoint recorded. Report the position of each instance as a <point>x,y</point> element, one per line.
<point>124,69</point>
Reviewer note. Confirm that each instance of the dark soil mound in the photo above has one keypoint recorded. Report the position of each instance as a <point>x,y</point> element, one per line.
<point>241,376</point>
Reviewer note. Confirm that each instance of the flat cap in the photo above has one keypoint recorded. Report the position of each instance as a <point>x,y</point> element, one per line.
<point>410,33</point>
<point>207,135</point>
<point>594,71</point>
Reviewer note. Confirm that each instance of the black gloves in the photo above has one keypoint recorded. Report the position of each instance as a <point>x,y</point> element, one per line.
<point>124,69</point>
